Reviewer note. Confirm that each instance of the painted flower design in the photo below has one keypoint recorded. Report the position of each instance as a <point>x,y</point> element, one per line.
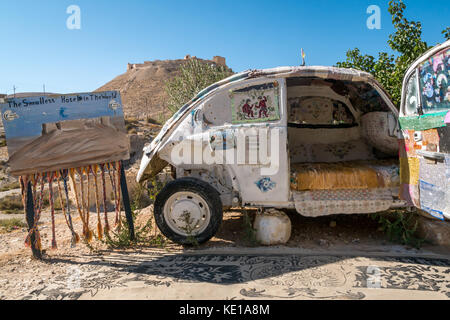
<point>265,184</point>
<point>340,150</point>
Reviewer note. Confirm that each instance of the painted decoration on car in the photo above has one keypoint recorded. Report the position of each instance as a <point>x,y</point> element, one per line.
<point>432,199</point>
<point>222,140</point>
<point>55,132</point>
<point>434,82</point>
<point>265,184</point>
<point>257,103</point>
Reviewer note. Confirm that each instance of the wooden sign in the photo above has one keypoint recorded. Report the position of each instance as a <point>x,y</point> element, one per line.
<point>50,133</point>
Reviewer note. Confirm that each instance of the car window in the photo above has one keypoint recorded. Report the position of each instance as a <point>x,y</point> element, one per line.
<point>412,96</point>
<point>319,111</point>
<point>434,86</point>
<point>256,103</point>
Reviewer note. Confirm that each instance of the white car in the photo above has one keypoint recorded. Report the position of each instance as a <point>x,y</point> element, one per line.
<point>320,140</point>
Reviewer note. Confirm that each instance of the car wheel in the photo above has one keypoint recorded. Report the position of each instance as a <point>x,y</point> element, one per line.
<point>188,211</point>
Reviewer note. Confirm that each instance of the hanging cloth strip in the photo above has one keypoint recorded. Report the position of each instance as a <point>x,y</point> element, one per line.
<point>94,171</point>
<point>34,180</point>
<point>112,178</point>
<point>51,176</point>
<point>37,215</point>
<point>118,166</point>
<point>23,180</point>
<point>105,209</point>
<point>83,204</point>
<point>86,170</point>
<point>66,210</point>
<point>86,233</point>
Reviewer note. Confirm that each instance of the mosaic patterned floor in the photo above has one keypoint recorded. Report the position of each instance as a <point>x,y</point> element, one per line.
<point>122,276</point>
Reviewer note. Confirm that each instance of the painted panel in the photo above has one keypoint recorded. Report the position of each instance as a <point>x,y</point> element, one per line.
<point>258,103</point>
<point>425,122</point>
<point>432,185</point>
<point>409,171</point>
<point>259,183</point>
<point>50,133</point>
<point>432,199</point>
<point>434,82</point>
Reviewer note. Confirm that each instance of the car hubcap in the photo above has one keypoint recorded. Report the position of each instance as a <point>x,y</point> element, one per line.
<point>187,213</point>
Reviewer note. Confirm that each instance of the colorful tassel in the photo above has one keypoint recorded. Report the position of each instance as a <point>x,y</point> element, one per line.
<point>119,168</point>
<point>37,214</point>
<point>66,210</point>
<point>105,209</point>
<point>51,176</point>
<point>94,170</point>
<point>72,176</point>
<point>113,186</point>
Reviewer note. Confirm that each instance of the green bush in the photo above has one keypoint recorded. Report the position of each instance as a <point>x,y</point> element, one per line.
<point>400,226</point>
<point>195,75</point>
<point>153,121</point>
<point>10,225</point>
<point>11,204</point>
<point>406,42</point>
<point>10,186</point>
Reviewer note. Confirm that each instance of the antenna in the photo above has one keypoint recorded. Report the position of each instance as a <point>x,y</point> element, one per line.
<point>43,86</point>
<point>14,88</point>
<point>303,58</point>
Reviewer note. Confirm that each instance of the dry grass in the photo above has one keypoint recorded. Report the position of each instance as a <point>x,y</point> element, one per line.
<point>11,205</point>
<point>10,186</point>
<point>10,225</point>
<point>153,121</point>
<point>56,203</point>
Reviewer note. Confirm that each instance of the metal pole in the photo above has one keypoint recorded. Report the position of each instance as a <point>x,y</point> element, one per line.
<point>126,202</point>
<point>29,213</point>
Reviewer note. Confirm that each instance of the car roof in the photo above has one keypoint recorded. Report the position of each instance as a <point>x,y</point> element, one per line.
<point>314,71</point>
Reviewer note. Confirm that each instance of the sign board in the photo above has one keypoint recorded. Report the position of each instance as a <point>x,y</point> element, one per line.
<point>54,132</point>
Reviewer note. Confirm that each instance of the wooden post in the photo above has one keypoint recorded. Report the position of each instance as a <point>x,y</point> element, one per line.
<point>29,214</point>
<point>126,201</point>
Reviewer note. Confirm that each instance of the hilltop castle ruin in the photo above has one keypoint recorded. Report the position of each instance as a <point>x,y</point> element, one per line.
<point>221,61</point>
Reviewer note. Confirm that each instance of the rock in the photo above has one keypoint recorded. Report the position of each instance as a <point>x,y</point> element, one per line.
<point>434,231</point>
<point>272,227</point>
<point>323,242</point>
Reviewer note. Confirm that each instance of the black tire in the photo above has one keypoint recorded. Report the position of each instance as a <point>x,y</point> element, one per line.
<point>205,191</point>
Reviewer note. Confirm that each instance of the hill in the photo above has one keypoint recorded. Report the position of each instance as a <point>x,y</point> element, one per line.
<point>142,86</point>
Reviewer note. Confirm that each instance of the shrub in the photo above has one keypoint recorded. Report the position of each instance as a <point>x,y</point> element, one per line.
<point>406,42</point>
<point>195,75</point>
<point>10,225</point>
<point>11,204</point>
<point>400,226</point>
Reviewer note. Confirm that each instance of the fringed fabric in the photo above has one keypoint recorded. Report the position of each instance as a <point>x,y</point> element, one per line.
<point>105,209</point>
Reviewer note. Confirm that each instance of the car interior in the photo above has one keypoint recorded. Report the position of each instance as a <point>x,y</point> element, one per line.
<point>340,137</point>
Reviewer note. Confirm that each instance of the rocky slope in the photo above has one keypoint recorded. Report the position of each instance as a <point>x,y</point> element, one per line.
<point>142,86</point>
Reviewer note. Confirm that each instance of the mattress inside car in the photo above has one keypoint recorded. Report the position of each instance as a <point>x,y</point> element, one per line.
<point>345,175</point>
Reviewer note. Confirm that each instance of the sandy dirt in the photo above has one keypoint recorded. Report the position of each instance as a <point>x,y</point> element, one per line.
<point>329,248</point>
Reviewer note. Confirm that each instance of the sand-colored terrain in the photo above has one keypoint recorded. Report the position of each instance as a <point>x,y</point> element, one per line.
<point>142,88</point>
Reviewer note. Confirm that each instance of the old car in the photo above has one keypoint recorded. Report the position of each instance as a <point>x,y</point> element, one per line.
<point>320,140</point>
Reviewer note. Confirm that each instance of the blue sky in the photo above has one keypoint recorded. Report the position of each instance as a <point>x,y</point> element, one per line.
<point>36,48</point>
